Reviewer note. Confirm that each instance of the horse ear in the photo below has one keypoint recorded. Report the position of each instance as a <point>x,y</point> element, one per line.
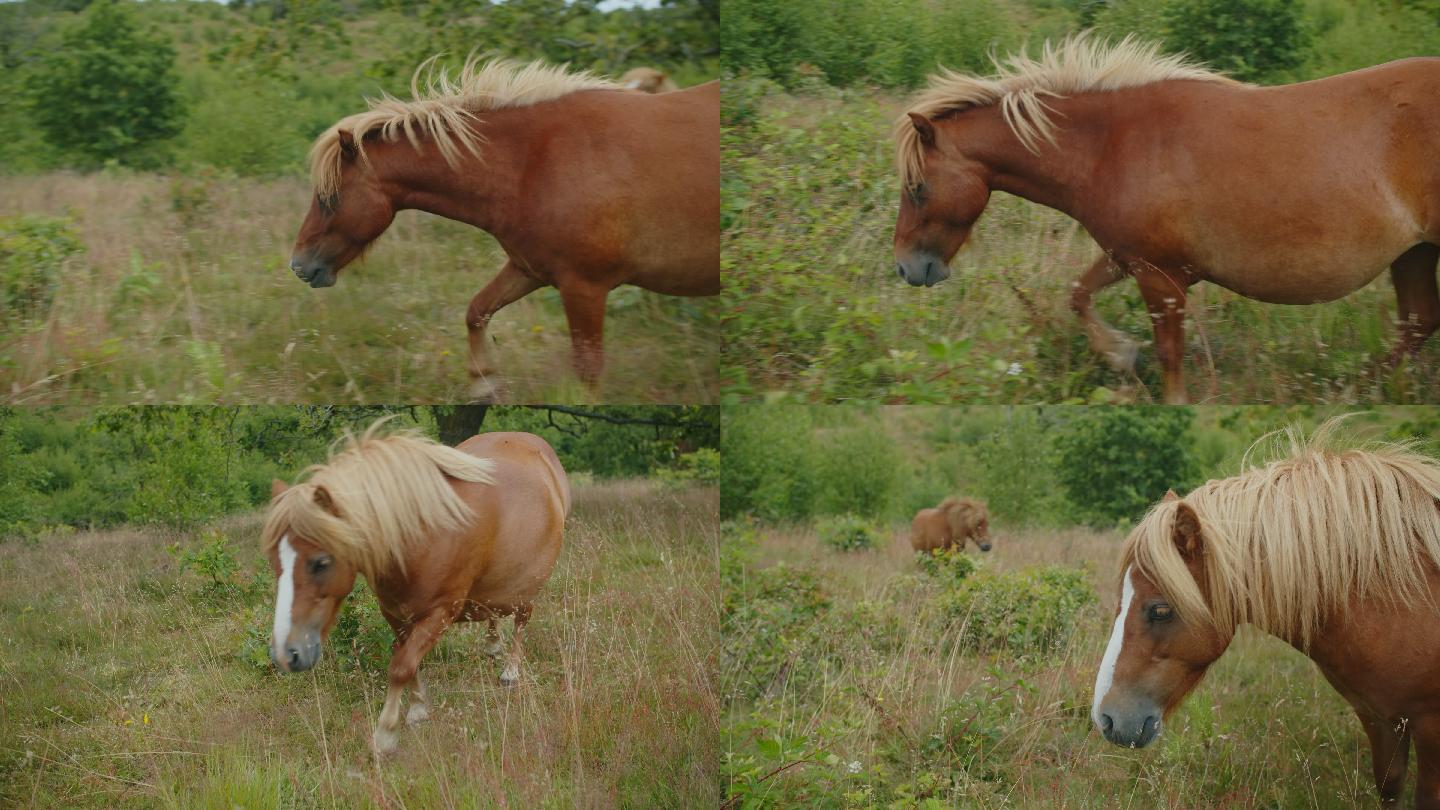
<point>347,143</point>
<point>1169,496</point>
<point>923,128</point>
<point>276,487</point>
<point>324,501</point>
<point>1187,532</point>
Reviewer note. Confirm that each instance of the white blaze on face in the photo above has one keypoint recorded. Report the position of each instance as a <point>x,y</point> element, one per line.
<point>284,597</point>
<point>1106,677</point>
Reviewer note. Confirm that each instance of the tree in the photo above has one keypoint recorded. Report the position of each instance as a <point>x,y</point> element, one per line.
<point>1252,40</point>
<point>109,93</point>
<point>1115,462</point>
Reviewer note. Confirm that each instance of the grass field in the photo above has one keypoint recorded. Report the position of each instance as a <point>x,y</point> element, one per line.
<point>127,683</point>
<point>183,294</point>
<point>815,312</point>
<point>866,696</point>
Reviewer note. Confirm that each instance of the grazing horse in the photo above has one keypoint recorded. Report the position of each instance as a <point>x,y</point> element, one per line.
<point>442,534</point>
<point>950,525</point>
<point>1336,552</point>
<point>585,186</point>
<point>648,80</point>
<point>1294,194</point>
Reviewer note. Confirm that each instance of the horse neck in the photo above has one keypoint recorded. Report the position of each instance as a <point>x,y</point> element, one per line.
<point>483,191</point>
<point>1056,175</point>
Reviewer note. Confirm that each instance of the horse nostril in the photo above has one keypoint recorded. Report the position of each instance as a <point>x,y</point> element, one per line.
<point>1107,724</point>
<point>294,658</point>
<point>899,271</point>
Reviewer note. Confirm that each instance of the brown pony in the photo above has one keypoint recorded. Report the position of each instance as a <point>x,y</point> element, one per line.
<point>442,534</point>
<point>950,525</point>
<point>584,185</point>
<point>1335,552</point>
<point>648,80</point>
<point>1295,194</point>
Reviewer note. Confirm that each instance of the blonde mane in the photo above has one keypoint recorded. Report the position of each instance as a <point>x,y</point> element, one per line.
<point>1078,64</point>
<point>377,497</point>
<point>444,108</point>
<point>1290,543</point>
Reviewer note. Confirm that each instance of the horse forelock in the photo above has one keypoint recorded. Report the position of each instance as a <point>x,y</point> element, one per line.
<point>382,497</point>
<point>1076,64</point>
<point>1300,539</point>
<point>443,108</point>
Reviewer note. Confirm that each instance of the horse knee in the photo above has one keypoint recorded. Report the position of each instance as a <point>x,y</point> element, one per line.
<point>1079,299</point>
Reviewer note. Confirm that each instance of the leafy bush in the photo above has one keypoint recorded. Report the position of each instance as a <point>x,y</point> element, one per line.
<point>1113,463</point>
<point>34,251</point>
<point>946,565</point>
<point>1032,612</point>
<point>211,558</point>
<point>770,617</point>
<point>110,91</point>
<point>1252,40</point>
<point>768,470</point>
<point>848,533</point>
<point>700,467</point>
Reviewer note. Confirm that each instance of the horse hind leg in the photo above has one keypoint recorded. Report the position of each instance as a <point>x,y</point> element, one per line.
<point>1416,297</point>
<point>506,288</point>
<point>493,647</point>
<point>419,702</point>
<point>510,676</point>
<point>1112,344</point>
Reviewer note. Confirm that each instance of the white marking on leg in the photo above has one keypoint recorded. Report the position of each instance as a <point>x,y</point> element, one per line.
<point>419,709</point>
<point>1105,678</point>
<point>284,598</point>
<point>510,675</point>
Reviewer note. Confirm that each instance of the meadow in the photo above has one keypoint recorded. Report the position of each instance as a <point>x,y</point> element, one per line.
<point>181,292</point>
<point>815,312</point>
<point>132,680</point>
<point>851,679</point>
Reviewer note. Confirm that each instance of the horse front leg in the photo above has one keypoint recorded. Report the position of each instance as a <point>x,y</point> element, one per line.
<point>506,288</point>
<point>1389,754</point>
<point>1425,730</point>
<point>510,676</point>
<point>1416,298</point>
<point>585,310</point>
<point>410,648</point>
<point>1118,349</point>
<point>1165,299</point>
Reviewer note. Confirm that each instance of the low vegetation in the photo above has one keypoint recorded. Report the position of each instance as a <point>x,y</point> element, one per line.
<point>135,672</point>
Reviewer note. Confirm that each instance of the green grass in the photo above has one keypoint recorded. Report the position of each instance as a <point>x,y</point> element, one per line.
<point>892,710</point>
<point>183,295</point>
<point>129,684</point>
<point>815,312</point>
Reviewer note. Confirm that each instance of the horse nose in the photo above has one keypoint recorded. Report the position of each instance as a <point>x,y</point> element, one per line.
<point>294,660</point>
<point>984,546</point>
<point>1107,724</point>
<point>295,264</point>
<point>899,270</point>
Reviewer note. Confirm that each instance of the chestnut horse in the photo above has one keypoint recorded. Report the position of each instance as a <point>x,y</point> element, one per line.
<point>950,525</point>
<point>442,534</point>
<point>1335,552</point>
<point>1294,194</point>
<point>648,80</point>
<point>585,186</point>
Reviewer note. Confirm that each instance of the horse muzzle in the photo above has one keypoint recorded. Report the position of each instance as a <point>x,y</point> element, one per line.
<point>1131,729</point>
<point>922,269</point>
<point>297,656</point>
<point>984,546</point>
<point>314,273</point>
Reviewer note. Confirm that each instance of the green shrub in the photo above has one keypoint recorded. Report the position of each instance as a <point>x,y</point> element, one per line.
<point>848,533</point>
<point>1252,40</point>
<point>946,565</point>
<point>34,252</point>
<point>211,558</point>
<point>699,467</point>
<point>1113,463</point>
<point>770,619</point>
<point>1032,612</point>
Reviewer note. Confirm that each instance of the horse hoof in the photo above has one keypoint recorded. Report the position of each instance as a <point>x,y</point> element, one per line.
<point>485,390</point>
<point>385,742</point>
<point>1122,357</point>
<point>417,714</point>
<point>510,677</point>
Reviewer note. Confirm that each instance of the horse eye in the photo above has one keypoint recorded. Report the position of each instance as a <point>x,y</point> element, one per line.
<point>1160,613</point>
<point>319,564</point>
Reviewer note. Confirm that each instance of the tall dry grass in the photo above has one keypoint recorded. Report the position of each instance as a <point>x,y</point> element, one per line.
<point>125,685</point>
<point>184,294</point>
<point>904,715</point>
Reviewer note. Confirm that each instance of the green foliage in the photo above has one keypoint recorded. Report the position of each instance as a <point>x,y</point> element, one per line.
<point>770,616</point>
<point>847,533</point>
<point>361,639</point>
<point>1113,463</point>
<point>768,470</point>
<point>110,91</point>
<point>211,558</point>
<point>947,565</point>
<point>1252,40</point>
<point>699,467</point>
<point>1033,612</point>
<point>34,252</point>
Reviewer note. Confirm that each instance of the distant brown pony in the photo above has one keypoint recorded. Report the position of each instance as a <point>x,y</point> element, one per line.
<point>648,80</point>
<point>950,525</point>
<point>1335,552</point>
<point>1295,194</point>
<point>585,186</point>
<point>442,534</point>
